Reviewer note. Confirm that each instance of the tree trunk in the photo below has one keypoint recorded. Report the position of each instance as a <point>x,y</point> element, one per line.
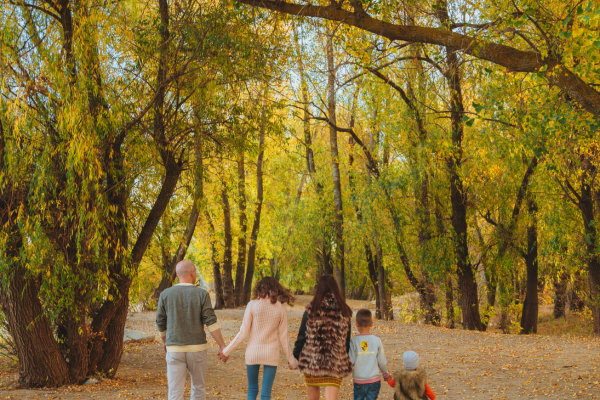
<point>41,363</point>
<point>214,259</point>
<point>361,290</point>
<point>388,293</point>
<point>310,158</point>
<point>227,251</point>
<point>384,294</point>
<point>257,214</point>
<point>424,286</point>
<point>323,248</point>
<point>576,302</point>
<point>586,206</point>
<point>372,265</point>
<point>273,263</point>
<point>335,166</point>
<point>192,220</point>
<point>370,296</point>
<point>458,200</point>
<point>169,273</point>
<point>241,261</point>
<point>114,310</point>
<point>450,304</point>
<point>40,360</point>
<point>506,234</point>
<point>560,295</point>
<point>427,294</point>
<point>458,196</point>
<point>77,341</point>
<point>113,346</point>
<point>529,318</point>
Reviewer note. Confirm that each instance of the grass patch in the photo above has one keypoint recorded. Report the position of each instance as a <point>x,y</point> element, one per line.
<point>574,324</point>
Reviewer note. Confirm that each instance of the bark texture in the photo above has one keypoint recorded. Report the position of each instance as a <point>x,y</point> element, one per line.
<point>40,360</point>
<point>241,259</point>
<point>586,206</point>
<point>257,215</point>
<point>560,295</point>
<point>529,318</point>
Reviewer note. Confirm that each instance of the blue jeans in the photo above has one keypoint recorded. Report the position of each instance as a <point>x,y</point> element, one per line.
<point>370,391</point>
<point>267,384</point>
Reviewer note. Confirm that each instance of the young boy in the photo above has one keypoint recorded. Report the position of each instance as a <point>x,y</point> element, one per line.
<point>368,358</point>
<point>410,384</point>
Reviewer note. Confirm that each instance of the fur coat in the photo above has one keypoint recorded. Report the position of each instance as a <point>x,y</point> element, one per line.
<point>410,385</point>
<point>324,352</point>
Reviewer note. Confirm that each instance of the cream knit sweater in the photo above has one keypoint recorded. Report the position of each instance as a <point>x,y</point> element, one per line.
<point>263,322</point>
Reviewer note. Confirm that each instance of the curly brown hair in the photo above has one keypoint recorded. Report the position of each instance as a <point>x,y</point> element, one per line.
<point>271,288</point>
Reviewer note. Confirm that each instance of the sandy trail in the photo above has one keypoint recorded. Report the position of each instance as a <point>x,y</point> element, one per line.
<point>460,365</point>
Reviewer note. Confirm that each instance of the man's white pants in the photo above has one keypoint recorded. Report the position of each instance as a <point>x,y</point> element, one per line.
<point>177,366</point>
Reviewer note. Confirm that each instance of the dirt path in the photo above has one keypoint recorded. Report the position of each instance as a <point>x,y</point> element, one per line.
<point>460,365</point>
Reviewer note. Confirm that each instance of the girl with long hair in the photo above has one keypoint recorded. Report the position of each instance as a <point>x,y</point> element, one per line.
<point>265,319</point>
<point>324,340</point>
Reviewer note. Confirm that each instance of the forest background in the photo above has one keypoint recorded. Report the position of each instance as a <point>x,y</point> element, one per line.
<point>448,149</point>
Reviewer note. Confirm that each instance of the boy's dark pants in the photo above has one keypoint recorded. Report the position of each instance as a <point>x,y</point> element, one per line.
<point>369,391</point>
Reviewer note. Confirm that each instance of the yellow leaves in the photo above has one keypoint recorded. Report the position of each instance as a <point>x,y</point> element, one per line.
<point>578,32</point>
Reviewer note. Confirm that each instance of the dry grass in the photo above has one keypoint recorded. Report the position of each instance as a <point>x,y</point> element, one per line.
<point>575,324</point>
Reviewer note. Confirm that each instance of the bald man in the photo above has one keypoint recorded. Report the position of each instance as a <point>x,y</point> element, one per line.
<point>182,313</point>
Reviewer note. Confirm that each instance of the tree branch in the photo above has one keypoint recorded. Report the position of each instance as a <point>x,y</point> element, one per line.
<point>513,59</point>
<point>50,14</point>
<point>371,163</point>
<point>488,218</point>
<point>568,191</point>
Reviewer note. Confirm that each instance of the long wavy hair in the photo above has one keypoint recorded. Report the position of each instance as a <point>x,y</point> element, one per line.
<point>271,288</point>
<point>326,285</point>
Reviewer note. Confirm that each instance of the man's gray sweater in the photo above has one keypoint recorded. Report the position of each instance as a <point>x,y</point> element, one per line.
<point>183,311</point>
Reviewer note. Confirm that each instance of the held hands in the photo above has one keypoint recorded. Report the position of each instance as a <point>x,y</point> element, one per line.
<point>293,365</point>
<point>222,356</point>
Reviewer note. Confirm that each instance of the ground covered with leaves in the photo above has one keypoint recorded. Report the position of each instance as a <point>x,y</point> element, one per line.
<point>460,365</point>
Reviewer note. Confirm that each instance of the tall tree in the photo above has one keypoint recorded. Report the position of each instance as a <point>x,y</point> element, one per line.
<point>228,295</point>
<point>257,213</point>
<point>529,318</point>
<point>335,166</point>
<point>243,221</point>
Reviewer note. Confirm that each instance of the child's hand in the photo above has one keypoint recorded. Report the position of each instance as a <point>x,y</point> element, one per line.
<point>387,377</point>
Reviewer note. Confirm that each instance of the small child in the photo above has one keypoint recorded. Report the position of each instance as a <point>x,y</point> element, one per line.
<point>368,358</point>
<point>410,384</point>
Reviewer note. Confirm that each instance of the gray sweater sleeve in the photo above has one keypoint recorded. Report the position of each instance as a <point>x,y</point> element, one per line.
<point>381,360</point>
<point>161,317</point>
<point>209,318</point>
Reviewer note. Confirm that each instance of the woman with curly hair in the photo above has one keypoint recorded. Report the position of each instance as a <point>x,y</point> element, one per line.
<point>265,319</point>
<point>324,340</point>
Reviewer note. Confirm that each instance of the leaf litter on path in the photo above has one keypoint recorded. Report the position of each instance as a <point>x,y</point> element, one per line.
<point>460,365</point>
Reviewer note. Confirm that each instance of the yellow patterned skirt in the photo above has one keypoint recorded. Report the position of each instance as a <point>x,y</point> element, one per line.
<point>320,381</point>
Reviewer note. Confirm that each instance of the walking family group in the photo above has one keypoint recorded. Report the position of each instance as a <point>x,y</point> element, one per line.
<point>324,351</point>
